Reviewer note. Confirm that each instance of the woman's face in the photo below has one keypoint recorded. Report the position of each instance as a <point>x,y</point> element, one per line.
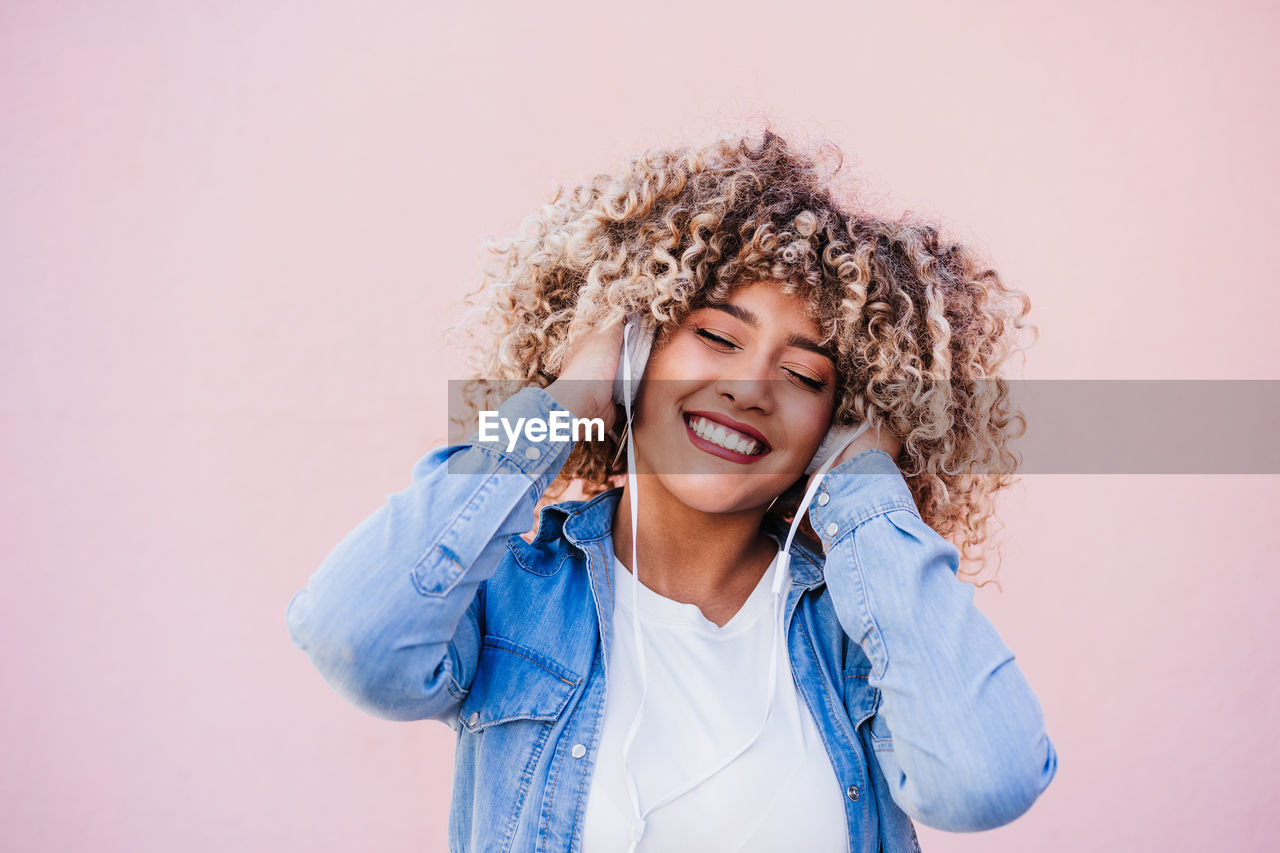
<point>735,402</point>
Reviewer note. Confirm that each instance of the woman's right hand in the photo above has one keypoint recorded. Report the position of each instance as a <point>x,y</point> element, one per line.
<point>585,383</point>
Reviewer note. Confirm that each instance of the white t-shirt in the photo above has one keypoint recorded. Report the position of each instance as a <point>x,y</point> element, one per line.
<point>707,691</point>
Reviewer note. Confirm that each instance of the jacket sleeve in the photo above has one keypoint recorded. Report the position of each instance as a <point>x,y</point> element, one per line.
<point>390,618</point>
<point>959,735</point>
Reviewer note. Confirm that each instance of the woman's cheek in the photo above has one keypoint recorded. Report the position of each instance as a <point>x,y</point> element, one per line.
<point>700,362</point>
<point>818,420</point>
<point>678,360</point>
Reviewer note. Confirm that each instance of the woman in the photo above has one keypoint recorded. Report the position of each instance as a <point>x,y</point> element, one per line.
<point>665,666</point>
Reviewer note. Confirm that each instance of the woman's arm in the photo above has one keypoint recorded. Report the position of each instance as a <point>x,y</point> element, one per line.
<point>963,735</point>
<point>388,618</point>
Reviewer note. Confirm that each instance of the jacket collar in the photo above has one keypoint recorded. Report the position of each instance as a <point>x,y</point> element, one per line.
<point>586,527</point>
<point>585,523</point>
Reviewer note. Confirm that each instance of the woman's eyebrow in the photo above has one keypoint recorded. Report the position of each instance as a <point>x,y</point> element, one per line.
<point>738,311</point>
<point>801,342</point>
<point>797,341</point>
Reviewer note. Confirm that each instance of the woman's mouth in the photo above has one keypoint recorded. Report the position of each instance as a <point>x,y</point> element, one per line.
<point>724,441</point>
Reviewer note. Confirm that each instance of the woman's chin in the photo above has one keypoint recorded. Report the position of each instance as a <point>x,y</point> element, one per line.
<point>718,493</point>
<point>710,484</point>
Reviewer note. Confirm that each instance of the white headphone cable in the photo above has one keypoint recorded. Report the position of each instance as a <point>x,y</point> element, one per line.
<point>782,570</point>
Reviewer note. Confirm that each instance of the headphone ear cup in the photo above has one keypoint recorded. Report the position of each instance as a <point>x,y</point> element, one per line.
<point>637,337</point>
<point>836,440</point>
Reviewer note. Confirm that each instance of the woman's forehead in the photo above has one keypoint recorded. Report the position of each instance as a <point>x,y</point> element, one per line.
<point>778,293</point>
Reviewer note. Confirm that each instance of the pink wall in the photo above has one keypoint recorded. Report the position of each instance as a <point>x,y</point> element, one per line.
<point>231,235</point>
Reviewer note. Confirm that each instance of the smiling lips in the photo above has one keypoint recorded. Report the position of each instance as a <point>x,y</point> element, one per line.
<point>737,443</point>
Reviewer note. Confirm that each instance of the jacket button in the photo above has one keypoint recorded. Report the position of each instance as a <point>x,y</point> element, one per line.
<point>833,529</point>
<point>533,453</point>
<point>474,718</point>
<point>823,499</point>
<point>853,792</point>
<point>578,750</point>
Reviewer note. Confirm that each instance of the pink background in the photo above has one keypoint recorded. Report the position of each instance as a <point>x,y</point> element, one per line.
<point>232,234</point>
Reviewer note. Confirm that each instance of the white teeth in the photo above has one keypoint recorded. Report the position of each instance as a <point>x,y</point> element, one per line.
<point>722,436</point>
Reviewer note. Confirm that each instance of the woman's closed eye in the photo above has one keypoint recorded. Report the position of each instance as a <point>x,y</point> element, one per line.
<point>717,340</point>
<point>724,344</point>
<point>806,380</point>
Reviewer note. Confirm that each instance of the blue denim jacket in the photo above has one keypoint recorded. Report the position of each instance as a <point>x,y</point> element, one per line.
<point>434,607</point>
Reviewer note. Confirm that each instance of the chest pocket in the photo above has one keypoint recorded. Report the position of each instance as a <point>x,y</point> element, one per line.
<point>862,701</point>
<point>513,682</point>
<point>860,698</point>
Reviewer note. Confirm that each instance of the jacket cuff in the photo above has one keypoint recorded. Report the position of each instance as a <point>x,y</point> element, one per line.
<point>510,444</point>
<point>857,489</point>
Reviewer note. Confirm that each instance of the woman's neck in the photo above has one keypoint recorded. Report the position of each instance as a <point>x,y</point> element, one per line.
<point>712,560</point>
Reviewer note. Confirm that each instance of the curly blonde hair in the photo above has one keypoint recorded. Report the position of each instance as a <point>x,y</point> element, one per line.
<point>919,326</point>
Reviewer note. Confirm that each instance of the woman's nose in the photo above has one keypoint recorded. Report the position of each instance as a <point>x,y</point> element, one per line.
<point>749,389</point>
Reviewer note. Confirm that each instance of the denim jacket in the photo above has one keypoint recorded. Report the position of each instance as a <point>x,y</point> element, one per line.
<point>435,607</point>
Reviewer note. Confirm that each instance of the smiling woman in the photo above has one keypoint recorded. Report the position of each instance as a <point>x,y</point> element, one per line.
<point>663,667</point>
<point>761,397</point>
